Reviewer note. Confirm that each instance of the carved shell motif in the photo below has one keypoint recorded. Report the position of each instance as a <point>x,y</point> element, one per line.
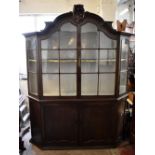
<point>78,13</point>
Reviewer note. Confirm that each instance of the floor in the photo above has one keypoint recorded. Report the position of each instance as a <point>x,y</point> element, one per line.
<point>124,149</point>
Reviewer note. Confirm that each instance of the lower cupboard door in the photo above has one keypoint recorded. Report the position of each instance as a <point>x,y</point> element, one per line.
<point>60,124</point>
<point>97,125</point>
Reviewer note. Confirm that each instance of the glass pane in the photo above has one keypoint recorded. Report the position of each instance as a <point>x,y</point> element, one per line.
<point>31,43</point>
<point>50,54</point>
<point>106,42</point>
<point>68,36</point>
<point>89,66</point>
<point>124,64</point>
<point>52,42</point>
<point>31,47</point>
<point>122,89</point>
<point>123,82</point>
<point>33,83</point>
<point>67,54</point>
<point>89,36</point>
<point>107,66</point>
<point>124,54</point>
<point>89,54</point>
<point>89,84</point>
<point>32,54</point>
<point>107,54</point>
<point>68,66</point>
<point>50,84</point>
<point>106,84</point>
<point>89,62</point>
<point>68,84</point>
<point>51,66</point>
<point>32,66</point>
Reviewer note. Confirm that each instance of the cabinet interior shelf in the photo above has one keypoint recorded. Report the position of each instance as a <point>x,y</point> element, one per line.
<point>123,59</point>
<point>123,71</point>
<point>57,61</point>
<point>96,73</point>
<point>64,49</point>
<point>32,60</point>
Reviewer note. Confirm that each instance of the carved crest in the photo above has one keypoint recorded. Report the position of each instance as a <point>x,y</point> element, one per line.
<point>78,13</point>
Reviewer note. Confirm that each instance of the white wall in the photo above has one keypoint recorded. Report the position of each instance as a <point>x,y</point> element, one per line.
<point>104,8</point>
<point>108,9</point>
<point>55,6</point>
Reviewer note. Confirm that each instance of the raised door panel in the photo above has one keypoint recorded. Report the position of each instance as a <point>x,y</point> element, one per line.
<point>98,124</point>
<point>60,124</point>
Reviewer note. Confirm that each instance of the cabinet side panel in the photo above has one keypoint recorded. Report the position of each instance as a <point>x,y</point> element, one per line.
<point>35,118</point>
<point>120,118</point>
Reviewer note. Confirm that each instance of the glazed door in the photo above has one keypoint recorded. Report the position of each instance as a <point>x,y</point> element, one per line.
<point>78,61</point>
<point>98,62</point>
<point>59,62</point>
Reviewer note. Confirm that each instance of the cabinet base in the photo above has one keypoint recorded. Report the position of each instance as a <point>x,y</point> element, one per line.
<point>51,147</point>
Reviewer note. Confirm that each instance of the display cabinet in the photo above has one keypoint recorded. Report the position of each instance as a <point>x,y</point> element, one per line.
<point>77,81</point>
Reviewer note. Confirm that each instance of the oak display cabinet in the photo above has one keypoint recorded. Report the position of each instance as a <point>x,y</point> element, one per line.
<point>77,81</point>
